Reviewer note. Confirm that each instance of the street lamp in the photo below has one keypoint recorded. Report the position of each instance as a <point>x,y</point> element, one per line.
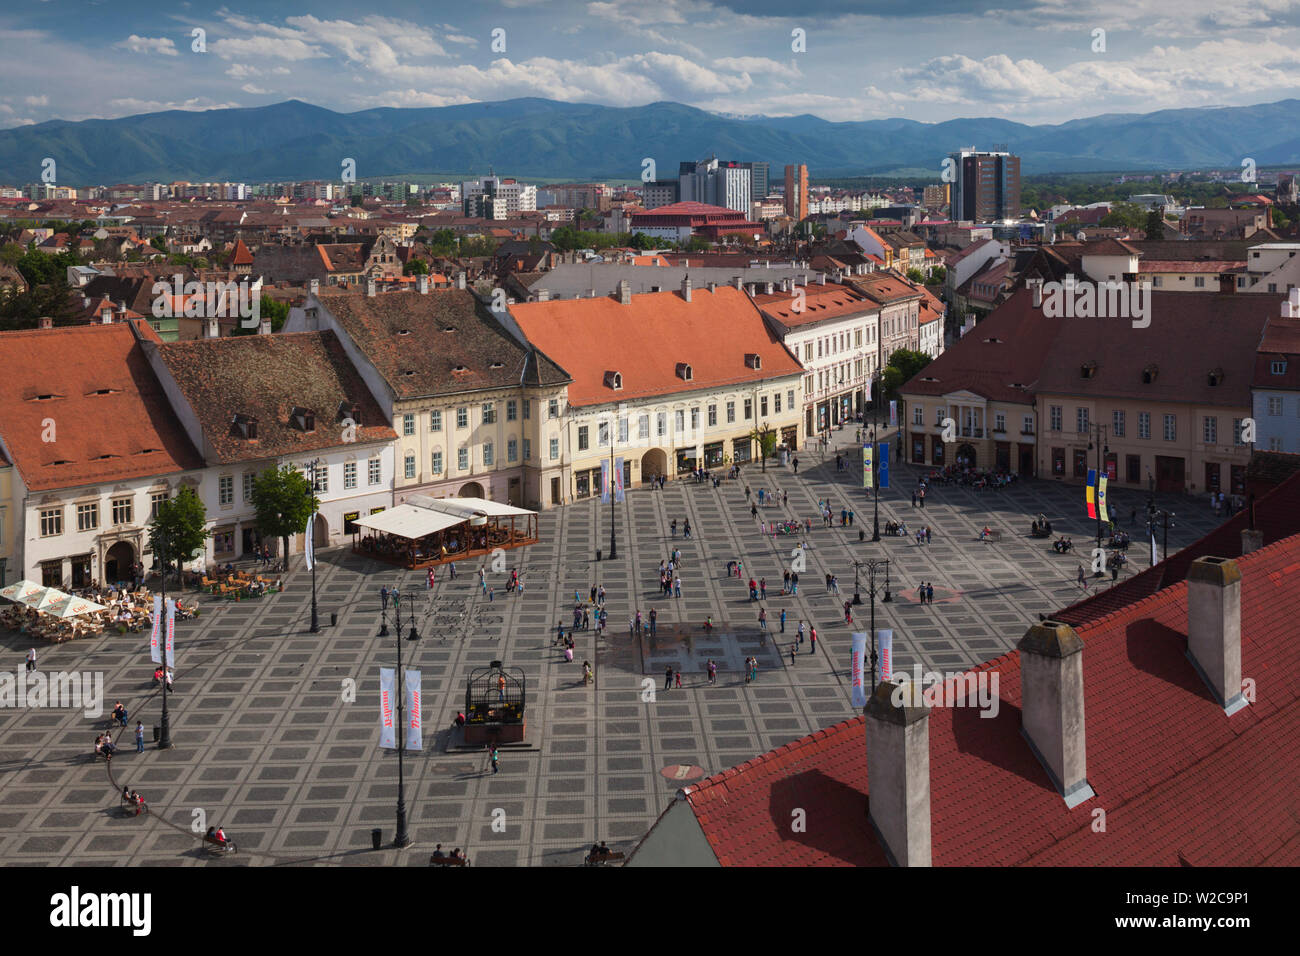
<point>613,483</point>
<point>165,735</point>
<point>872,565</point>
<point>876,379</point>
<point>1102,449</point>
<point>402,839</point>
<point>315,624</point>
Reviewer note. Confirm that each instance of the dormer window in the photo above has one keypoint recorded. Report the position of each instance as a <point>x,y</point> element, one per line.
<point>1149,374</point>
<point>754,360</point>
<point>1278,367</point>
<point>349,410</point>
<point>1088,369</point>
<point>684,372</point>
<point>303,419</point>
<point>1215,377</point>
<point>614,380</point>
<point>245,426</point>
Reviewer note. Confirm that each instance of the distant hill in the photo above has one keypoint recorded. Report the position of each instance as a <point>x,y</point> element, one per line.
<point>540,138</point>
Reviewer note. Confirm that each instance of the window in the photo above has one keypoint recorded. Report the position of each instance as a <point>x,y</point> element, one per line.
<point>622,428</point>
<point>1027,425</point>
<point>555,449</point>
<point>1275,405</point>
<point>408,424</point>
<point>789,399</point>
<point>1000,422</point>
<point>713,415</point>
<point>1117,424</point>
<point>512,410</point>
<point>373,471</point>
<point>1171,428</point>
<point>51,522</point>
<point>409,465</point>
<point>582,438</point>
<point>695,418</point>
<point>528,450</point>
<point>489,413</point>
<point>226,490</point>
<point>1236,432</point>
<point>679,419</point>
<point>1211,430</point>
<point>349,475</point>
<point>749,409</point>
<point>122,510</point>
<point>462,418</point>
<point>731,412</point>
<point>462,459</point>
<point>435,421</point>
<point>857,338</point>
<point>512,450</point>
<point>322,484</point>
<point>661,424</point>
<point>488,454</point>
<point>807,352</point>
<point>939,415</point>
<point>1199,282</point>
<point>1278,367</point>
<point>776,403</point>
<point>762,406</point>
<point>602,433</point>
<point>918,415</point>
<point>553,408</point>
<point>1081,420</point>
<point>1275,443</point>
<point>155,502</point>
<point>1054,414</point>
<point>528,408</point>
<point>435,463</point>
<point>643,426</point>
<point>1144,424</point>
<point>88,517</point>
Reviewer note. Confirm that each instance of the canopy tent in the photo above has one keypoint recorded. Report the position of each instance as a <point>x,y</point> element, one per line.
<point>468,508</point>
<point>424,531</point>
<point>20,589</point>
<point>408,521</point>
<point>73,607</point>
<point>42,599</point>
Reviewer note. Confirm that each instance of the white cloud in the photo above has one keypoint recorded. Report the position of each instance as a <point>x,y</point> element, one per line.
<point>639,12</point>
<point>129,105</point>
<point>255,90</point>
<point>37,100</point>
<point>760,65</point>
<point>138,44</point>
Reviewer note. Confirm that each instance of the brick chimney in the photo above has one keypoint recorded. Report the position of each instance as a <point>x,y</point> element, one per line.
<point>686,288</point>
<point>313,286</point>
<point>45,322</point>
<point>1214,628</point>
<point>212,328</point>
<point>1051,680</point>
<point>370,288</point>
<point>1036,290</point>
<point>422,283</point>
<point>624,292</point>
<point>1252,539</point>
<point>898,765</point>
<point>265,327</point>
<point>739,281</point>
<point>460,280</point>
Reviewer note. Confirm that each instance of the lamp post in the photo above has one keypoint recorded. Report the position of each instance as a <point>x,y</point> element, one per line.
<point>876,380</point>
<point>872,565</point>
<point>1102,449</point>
<point>165,735</point>
<point>315,624</point>
<point>402,839</point>
<point>613,483</point>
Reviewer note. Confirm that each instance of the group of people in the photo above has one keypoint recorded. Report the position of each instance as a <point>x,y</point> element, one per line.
<point>133,800</point>
<point>456,854</point>
<point>925,593</point>
<point>1063,545</point>
<point>924,535</point>
<point>896,528</point>
<point>670,581</point>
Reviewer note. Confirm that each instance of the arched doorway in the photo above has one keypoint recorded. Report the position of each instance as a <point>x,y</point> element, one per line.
<point>118,562</point>
<point>320,532</point>
<point>471,490</point>
<point>653,463</point>
<point>965,455</point>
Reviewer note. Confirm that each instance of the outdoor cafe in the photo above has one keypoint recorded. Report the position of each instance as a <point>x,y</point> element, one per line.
<point>51,614</point>
<point>423,531</point>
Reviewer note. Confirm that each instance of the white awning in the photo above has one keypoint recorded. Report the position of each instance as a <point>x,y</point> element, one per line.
<point>408,521</point>
<point>467,507</point>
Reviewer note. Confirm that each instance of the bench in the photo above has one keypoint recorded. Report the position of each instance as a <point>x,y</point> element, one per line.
<point>212,846</point>
<point>132,808</point>
<point>601,859</point>
<point>448,861</point>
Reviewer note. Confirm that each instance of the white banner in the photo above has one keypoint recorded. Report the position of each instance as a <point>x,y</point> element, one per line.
<point>893,414</point>
<point>885,645</point>
<point>859,691</point>
<point>171,633</point>
<point>310,553</point>
<point>155,653</point>
<point>414,737</point>
<point>387,739</point>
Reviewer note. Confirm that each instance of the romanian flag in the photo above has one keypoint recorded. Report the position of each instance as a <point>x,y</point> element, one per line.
<point>866,466</point>
<point>1101,499</point>
<point>1091,493</point>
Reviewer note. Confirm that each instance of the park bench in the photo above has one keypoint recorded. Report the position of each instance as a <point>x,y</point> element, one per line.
<point>593,859</point>
<point>448,861</point>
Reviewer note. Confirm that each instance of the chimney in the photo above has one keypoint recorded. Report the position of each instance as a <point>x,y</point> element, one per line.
<point>422,283</point>
<point>686,288</point>
<point>898,762</point>
<point>1214,628</point>
<point>1036,290</point>
<point>313,286</point>
<point>1051,669</point>
<point>460,280</point>
<point>544,295</point>
<point>767,288</point>
<point>85,302</point>
<point>821,278</point>
<point>46,322</point>
<point>212,329</point>
<point>370,288</point>
<point>265,327</point>
<point>686,263</point>
<point>713,286</point>
<point>624,292</point>
<point>1252,539</point>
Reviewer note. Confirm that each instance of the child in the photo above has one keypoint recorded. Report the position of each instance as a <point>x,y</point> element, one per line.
<point>677,678</point>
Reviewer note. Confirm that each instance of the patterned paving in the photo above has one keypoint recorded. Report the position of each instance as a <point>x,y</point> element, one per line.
<point>269,746</point>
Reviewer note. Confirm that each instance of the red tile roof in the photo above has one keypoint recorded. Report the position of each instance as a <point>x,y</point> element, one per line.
<point>821,302</point>
<point>1180,782</point>
<point>127,432</point>
<point>242,256</point>
<point>646,340</point>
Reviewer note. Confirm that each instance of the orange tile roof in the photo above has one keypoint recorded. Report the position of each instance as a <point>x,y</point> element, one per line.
<point>821,302</point>
<point>129,431</point>
<point>644,341</point>
<point>242,256</point>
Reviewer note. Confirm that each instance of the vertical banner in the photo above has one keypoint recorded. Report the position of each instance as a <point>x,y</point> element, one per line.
<point>414,737</point>
<point>885,645</point>
<point>310,550</point>
<point>1101,499</point>
<point>387,738</point>
<point>604,481</point>
<point>858,689</point>
<point>893,414</point>
<point>155,652</point>
<point>884,464</point>
<point>618,479</point>
<point>1090,494</point>
<point>866,466</point>
<point>171,632</point>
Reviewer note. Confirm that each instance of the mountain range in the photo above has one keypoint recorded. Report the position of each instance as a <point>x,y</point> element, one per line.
<point>550,140</point>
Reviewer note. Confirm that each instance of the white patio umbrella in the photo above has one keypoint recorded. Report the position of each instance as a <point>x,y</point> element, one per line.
<point>20,589</point>
<point>72,607</point>
<point>42,599</point>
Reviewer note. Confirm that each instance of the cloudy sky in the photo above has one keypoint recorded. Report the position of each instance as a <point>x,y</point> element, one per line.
<point>1037,61</point>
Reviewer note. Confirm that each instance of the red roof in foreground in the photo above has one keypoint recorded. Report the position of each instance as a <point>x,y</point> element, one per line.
<point>1180,782</point>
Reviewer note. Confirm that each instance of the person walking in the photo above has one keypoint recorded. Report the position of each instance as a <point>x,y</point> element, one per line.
<point>762,588</point>
<point>799,633</point>
<point>795,461</point>
<point>139,737</point>
<point>713,672</point>
<point>794,582</point>
<point>913,497</point>
<point>1081,578</point>
<point>586,619</point>
<point>921,498</point>
<point>812,633</point>
<point>812,642</point>
<point>929,536</point>
<point>677,676</point>
<point>31,660</point>
<point>785,499</point>
<point>762,618</point>
<point>785,582</point>
<point>383,598</point>
<point>753,668</point>
<point>782,620</point>
<point>491,593</point>
<point>668,677</point>
<point>792,653</point>
<point>835,584</point>
<point>686,527</point>
<point>654,616</point>
<point>494,756</point>
<point>677,586</point>
<point>920,593</point>
<point>673,526</point>
<point>848,612</point>
<point>428,580</point>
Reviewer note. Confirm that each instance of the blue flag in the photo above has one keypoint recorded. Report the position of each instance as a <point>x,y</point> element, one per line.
<point>884,464</point>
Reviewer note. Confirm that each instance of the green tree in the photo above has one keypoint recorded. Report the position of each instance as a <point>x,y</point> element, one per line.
<point>159,243</point>
<point>916,275</point>
<point>415,267</point>
<point>697,244</point>
<point>938,275</point>
<point>1280,221</point>
<point>908,362</point>
<point>766,437</point>
<point>283,501</point>
<point>181,523</point>
<point>1155,227</point>
<point>891,379</point>
<point>273,309</point>
<point>11,253</point>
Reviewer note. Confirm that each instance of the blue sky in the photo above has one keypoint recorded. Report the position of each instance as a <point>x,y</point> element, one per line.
<point>930,60</point>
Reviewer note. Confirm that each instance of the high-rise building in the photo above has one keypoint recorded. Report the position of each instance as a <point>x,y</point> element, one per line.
<point>758,175</point>
<point>495,198</point>
<point>796,192</point>
<point>716,183</point>
<point>659,192</point>
<point>986,186</point>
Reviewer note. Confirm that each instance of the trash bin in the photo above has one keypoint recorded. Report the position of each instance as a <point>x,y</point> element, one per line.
<point>598,554</point>
<point>376,836</point>
<point>334,618</point>
<point>157,733</point>
<point>862,536</point>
